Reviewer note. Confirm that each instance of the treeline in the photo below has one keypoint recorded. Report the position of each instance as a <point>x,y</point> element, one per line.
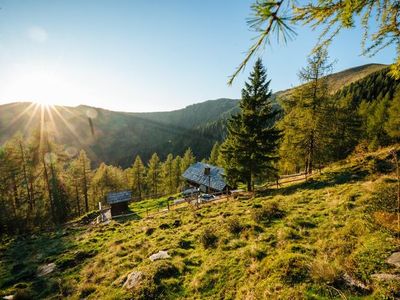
<point>43,184</point>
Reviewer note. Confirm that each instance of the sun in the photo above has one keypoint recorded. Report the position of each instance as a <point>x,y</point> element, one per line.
<point>43,102</point>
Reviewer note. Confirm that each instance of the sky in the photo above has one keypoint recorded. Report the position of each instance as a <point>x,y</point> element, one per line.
<point>142,55</point>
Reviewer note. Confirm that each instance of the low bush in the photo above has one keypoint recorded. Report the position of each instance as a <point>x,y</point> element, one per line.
<point>209,238</point>
<point>384,197</point>
<point>86,290</point>
<point>234,226</point>
<point>267,213</point>
<point>291,268</point>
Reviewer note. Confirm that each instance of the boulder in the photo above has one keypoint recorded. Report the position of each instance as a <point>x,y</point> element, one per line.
<point>355,284</point>
<point>159,255</point>
<point>133,280</point>
<point>43,270</point>
<point>394,259</point>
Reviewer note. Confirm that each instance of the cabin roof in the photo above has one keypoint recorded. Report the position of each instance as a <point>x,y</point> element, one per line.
<point>215,181</point>
<point>119,197</point>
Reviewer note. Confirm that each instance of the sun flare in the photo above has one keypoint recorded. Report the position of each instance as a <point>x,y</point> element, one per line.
<point>43,102</point>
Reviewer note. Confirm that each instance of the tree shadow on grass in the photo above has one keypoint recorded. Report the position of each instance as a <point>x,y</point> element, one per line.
<point>330,179</point>
<point>22,256</point>
<point>130,216</point>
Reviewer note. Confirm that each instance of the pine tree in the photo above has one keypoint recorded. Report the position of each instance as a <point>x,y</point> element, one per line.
<point>250,148</point>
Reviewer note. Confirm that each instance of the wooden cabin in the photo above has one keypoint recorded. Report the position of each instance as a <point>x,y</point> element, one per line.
<point>119,202</point>
<point>207,178</point>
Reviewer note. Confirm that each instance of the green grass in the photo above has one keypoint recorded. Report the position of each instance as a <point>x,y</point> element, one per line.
<point>147,207</point>
<point>295,242</point>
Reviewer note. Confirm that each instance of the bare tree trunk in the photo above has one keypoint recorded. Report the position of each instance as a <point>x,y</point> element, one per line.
<point>311,153</point>
<point>85,188</point>
<point>46,178</point>
<point>77,198</point>
<point>25,176</point>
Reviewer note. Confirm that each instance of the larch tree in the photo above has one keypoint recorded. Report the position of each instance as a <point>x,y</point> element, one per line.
<point>85,176</point>
<point>330,17</point>
<point>250,148</point>
<point>392,125</point>
<point>154,174</point>
<point>213,159</point>
<point>306,112</point>
<point>177,173</point>
<point>167,175</point>
<point>138,177</point>
<point>187,160</point>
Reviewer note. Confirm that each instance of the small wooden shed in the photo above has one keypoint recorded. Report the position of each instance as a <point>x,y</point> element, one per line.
<point>119,202</point>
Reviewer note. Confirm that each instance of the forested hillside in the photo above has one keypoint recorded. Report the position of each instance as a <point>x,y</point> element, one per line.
<point>117,137</point>
<point>362,114</point>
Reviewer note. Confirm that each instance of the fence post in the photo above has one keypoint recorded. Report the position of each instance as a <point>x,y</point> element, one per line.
<point>168,204</point>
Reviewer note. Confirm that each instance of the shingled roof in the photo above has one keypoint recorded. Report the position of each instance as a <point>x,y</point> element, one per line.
<point>195,173</point>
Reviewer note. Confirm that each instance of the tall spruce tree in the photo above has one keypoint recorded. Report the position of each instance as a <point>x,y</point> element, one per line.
<point>250,148</point>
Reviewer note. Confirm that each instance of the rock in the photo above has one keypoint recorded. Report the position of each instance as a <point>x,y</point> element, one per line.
<point>9,297</point>
<point>394,259</point>
<point>133,279</point>
<point>159,255</point>
<point>43,270</point>
<point>355,284</point>
<point>385,277</point>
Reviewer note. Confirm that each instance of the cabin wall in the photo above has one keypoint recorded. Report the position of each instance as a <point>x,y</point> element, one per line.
<point>119,208</point>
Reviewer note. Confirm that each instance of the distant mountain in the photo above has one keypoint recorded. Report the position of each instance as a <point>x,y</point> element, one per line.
<point>117,137</point>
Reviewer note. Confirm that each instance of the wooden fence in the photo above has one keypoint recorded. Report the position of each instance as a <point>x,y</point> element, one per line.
<point>284,179</point>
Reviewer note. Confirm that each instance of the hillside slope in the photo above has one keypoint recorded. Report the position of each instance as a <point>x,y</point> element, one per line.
<point>322,239</point>
<point>342,79</point>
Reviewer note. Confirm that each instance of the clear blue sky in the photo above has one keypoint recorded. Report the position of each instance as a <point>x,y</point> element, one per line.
<point>142,55</point>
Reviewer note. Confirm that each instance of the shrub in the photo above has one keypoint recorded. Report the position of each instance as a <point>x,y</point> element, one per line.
<point>323,272</point>
<point>23,294</point>
<point>164,226</point>
<point>267,213</point>
<point>149,231</point>
<point>185,244</point>
<point>208,238</point>
<point>256,253</point>
<point>292,268</point>
<point>86,290</point>
<point>234,226</point>
<point>385,197</point>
